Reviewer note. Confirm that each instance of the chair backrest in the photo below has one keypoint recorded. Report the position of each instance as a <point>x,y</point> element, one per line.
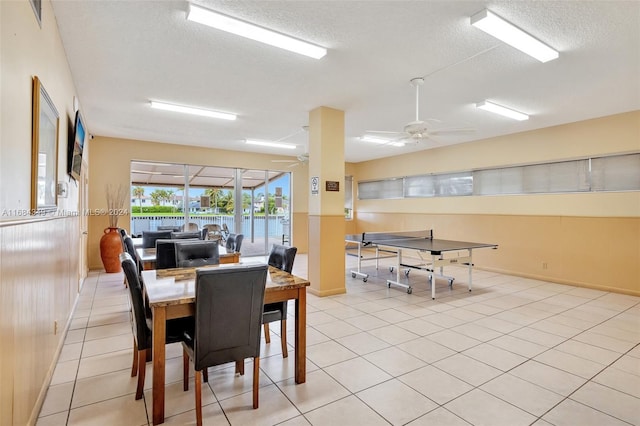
<point>190,227</point>
<point>234,242</point>
<point>123,235</point>
<point>174,228</point>
<point>212,231</point>
<point>131,250</point>
<point>190,254</point>
<point>149,237</point>
<point>142,336</point>
<point>185,235</point>
<point>165,254</point>
<point>229,303</point>
<point>225,229</point>
<point>282,257</point>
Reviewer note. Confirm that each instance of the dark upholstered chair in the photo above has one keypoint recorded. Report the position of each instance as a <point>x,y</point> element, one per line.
<point>234,242</point>
<point>173,228</point>
<point>123,234</point>
<point>165,254</point>
<point>227,323</point>
<point>130,248</point>
<point>142,323</point>
<point>149,237</point>
<point>280,257</point>
<point>186,235</point>
<point>190,254</point>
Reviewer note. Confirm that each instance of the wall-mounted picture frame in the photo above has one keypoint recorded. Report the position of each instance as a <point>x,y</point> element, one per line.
<point>44,151</point>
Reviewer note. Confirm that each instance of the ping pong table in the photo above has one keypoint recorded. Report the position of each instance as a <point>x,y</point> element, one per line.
<point>392,244</point>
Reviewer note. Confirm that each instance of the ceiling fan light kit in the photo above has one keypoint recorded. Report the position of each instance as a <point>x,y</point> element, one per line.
<point>245,29</point>
<point>192,110</point>
<point>270,144</point>
<point>502,110</point>
<point>503,30</point>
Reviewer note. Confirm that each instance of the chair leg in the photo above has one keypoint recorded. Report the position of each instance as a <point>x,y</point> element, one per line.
<point>142,369</point>
<point>205,375</point>
<point>283,337</point>
<point>198,398</point>
<point>256,380</point>
<point>134,367</point>
<point>185,371</point>
<point>240,367</point>
<point>267,336</point>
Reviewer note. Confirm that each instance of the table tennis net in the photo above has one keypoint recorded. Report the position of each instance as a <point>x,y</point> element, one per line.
<point>373,237</point>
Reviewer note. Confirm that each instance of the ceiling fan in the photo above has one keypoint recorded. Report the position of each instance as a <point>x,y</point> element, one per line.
<point>300,158</point>
<point>413,132</point>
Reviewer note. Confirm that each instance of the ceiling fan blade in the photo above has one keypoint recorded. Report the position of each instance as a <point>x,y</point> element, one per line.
<point>458,131</point>
<point>284,161</point>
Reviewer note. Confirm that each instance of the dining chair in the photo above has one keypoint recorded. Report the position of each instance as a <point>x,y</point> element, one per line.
<point>165,254</point>
<point>131,249</point>
<point>228,313</point>
<point>142,332</point>
<point>280,257</point>
<point>174,228</point>
<point>213,232</point>
<point>149,237</point>
<point>191,254</point>
<point>190,227</point>
<point>123,235</point>
<point>185,235</point>
<point>234,242</point>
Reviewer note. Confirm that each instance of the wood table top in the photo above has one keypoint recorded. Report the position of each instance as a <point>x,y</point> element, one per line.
<point>177,286</point>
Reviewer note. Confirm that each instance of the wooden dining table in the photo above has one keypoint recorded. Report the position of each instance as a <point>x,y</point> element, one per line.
<point>171,294</point>
<point>148,256</point>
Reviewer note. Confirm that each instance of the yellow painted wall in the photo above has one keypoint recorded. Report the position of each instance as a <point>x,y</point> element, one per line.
<point>39,271</point>
<point>110,160</point>
<point>586,239</point>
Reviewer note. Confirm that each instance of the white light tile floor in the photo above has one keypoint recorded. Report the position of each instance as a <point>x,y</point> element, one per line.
<point>514,351</point>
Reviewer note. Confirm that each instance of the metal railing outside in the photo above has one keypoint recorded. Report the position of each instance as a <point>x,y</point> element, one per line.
<point>278,224</point>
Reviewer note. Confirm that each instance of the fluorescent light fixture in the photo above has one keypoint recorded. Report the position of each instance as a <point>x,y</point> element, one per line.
<point>494,25</point>
<point>146,172</point>
<point>270,144</point>
<point>192,110</point>
<point>244,29</point>
<point>498,109</point>
<point>381,141</point>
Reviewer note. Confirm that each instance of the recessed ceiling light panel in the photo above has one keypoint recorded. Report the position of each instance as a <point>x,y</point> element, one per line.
<point>245,29</point>
<point>501,110</point>
<point>503,30</point>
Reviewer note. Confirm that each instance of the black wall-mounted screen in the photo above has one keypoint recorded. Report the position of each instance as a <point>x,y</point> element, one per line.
<point>74,155</point>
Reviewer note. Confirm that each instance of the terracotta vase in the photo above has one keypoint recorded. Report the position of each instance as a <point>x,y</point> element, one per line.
<point>110,249</point>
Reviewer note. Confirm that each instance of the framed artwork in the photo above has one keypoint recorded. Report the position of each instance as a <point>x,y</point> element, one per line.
<point>44,151</point>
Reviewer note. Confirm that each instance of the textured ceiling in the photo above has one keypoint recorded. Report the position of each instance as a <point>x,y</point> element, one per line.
<point>124,53</point>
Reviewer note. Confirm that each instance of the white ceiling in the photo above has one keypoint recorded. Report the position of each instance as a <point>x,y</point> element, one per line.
<point>124,53</point>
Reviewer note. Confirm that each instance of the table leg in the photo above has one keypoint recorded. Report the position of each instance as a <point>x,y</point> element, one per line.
<point>159,336</point>
<point>301,336</point>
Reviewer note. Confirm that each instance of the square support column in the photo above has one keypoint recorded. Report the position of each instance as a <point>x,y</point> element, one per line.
<point>326,202</point>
